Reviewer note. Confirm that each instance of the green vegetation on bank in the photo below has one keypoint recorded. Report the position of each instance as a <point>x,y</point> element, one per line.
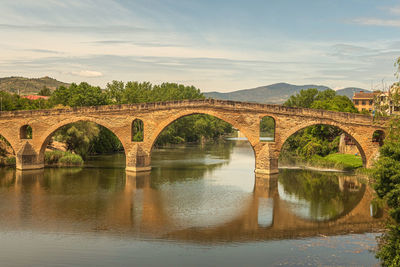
<point>7,161</point>
<point>318,145</point>
<point>386,175</point>
<point>62,158</point>
<point>336,161</point>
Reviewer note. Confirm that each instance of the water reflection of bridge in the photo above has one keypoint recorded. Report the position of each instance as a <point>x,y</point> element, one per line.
<point>136,209</point>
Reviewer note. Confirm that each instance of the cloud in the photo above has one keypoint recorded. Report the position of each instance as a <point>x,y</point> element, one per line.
<point>44,51</point>
<point>377,22</point>
<point>87,73</point>
<point>395,10</point>
<point>145,44</point>
<point>105,29</point>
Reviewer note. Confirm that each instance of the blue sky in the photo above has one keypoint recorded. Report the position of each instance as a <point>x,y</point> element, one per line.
<point>221,45</point>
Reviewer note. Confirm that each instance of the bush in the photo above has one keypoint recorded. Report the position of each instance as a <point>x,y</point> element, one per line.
<point>52,157</point>
<point>7,161</point>
<point>71,160</point>
<point>11,161</point>
<point>62,158</point>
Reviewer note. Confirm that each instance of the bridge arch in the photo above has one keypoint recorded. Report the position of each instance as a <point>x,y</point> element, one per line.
<point>235,123</point>
<point>355,137</point>
<point>49,132</point>
<point>10,140</point>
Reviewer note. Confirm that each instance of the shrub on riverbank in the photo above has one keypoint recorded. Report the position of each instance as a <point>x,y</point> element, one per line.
<point>63,158</point>
<point>7,161</point>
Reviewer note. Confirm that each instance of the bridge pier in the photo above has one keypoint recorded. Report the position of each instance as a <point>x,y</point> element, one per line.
<point>266,158</point>
<point>28,159</point>
<point>138,160</point>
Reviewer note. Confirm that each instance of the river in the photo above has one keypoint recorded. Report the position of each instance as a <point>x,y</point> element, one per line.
<point>201,205</point>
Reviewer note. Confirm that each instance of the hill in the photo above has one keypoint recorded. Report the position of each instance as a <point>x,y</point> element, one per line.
<point>274,93</point>
<point>26,86</point>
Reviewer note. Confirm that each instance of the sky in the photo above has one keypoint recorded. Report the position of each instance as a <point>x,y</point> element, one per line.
<point>215,45</point>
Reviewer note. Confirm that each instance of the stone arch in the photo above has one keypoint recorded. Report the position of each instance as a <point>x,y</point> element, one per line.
<point>25,132</point>
<point>242,127</point>
<point>346,130</point>
<point>47,135</point>
<point>8,142</point>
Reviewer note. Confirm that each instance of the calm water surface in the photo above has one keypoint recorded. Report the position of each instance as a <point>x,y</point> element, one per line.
<point>200,205</point>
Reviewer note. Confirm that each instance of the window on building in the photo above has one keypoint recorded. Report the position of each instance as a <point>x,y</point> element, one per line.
<point>363,103</point>
<point>370,102</point>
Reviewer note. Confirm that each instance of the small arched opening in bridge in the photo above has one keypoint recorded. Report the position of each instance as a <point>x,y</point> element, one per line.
<point>267,129</point>
<point>200,158</point>
<point>322,144</point>
<point>137,131</point>
<point>25,132</point>
<point>378,137</point>
<point>95,143</point>
<point>7,153</point>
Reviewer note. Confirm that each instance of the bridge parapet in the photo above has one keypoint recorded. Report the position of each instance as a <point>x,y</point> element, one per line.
<point>206,103</point>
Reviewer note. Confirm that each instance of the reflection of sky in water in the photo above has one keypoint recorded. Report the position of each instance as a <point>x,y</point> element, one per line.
<point>220,196</point>
<point>299,206</point>
<point>265,212</point>
<point>244,138</point>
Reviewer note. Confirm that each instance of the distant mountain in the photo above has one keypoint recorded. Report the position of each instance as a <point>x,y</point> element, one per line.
<point>349,91</point>
<point>275,93</point>
<point>26,86</point>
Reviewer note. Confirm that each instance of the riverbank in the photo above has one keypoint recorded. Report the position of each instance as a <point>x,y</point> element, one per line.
<point>334,162</point>
<point>7,161</point>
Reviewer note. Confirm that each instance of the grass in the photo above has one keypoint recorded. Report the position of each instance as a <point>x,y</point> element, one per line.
<point>62,158</point>
<point>337,161</point>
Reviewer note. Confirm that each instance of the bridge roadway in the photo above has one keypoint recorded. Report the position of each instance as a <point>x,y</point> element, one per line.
<point>243,116</point>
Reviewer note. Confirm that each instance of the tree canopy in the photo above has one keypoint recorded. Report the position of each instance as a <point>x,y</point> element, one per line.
<point>319,139</point>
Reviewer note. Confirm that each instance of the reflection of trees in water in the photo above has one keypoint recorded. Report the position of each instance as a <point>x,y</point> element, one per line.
<point>329,195</point>
<point>7,177</point>
<point>193,161</point>
<point>79,180</point>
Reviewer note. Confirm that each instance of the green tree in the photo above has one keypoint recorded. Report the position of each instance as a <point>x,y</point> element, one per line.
<point>80,95</point>
<point>45,91</point>
<point>319,139</point>
<point>78,137</point>
<point>386,174</point>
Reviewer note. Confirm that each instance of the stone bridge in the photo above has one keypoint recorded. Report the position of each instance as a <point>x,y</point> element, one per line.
<point>119,119</point>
